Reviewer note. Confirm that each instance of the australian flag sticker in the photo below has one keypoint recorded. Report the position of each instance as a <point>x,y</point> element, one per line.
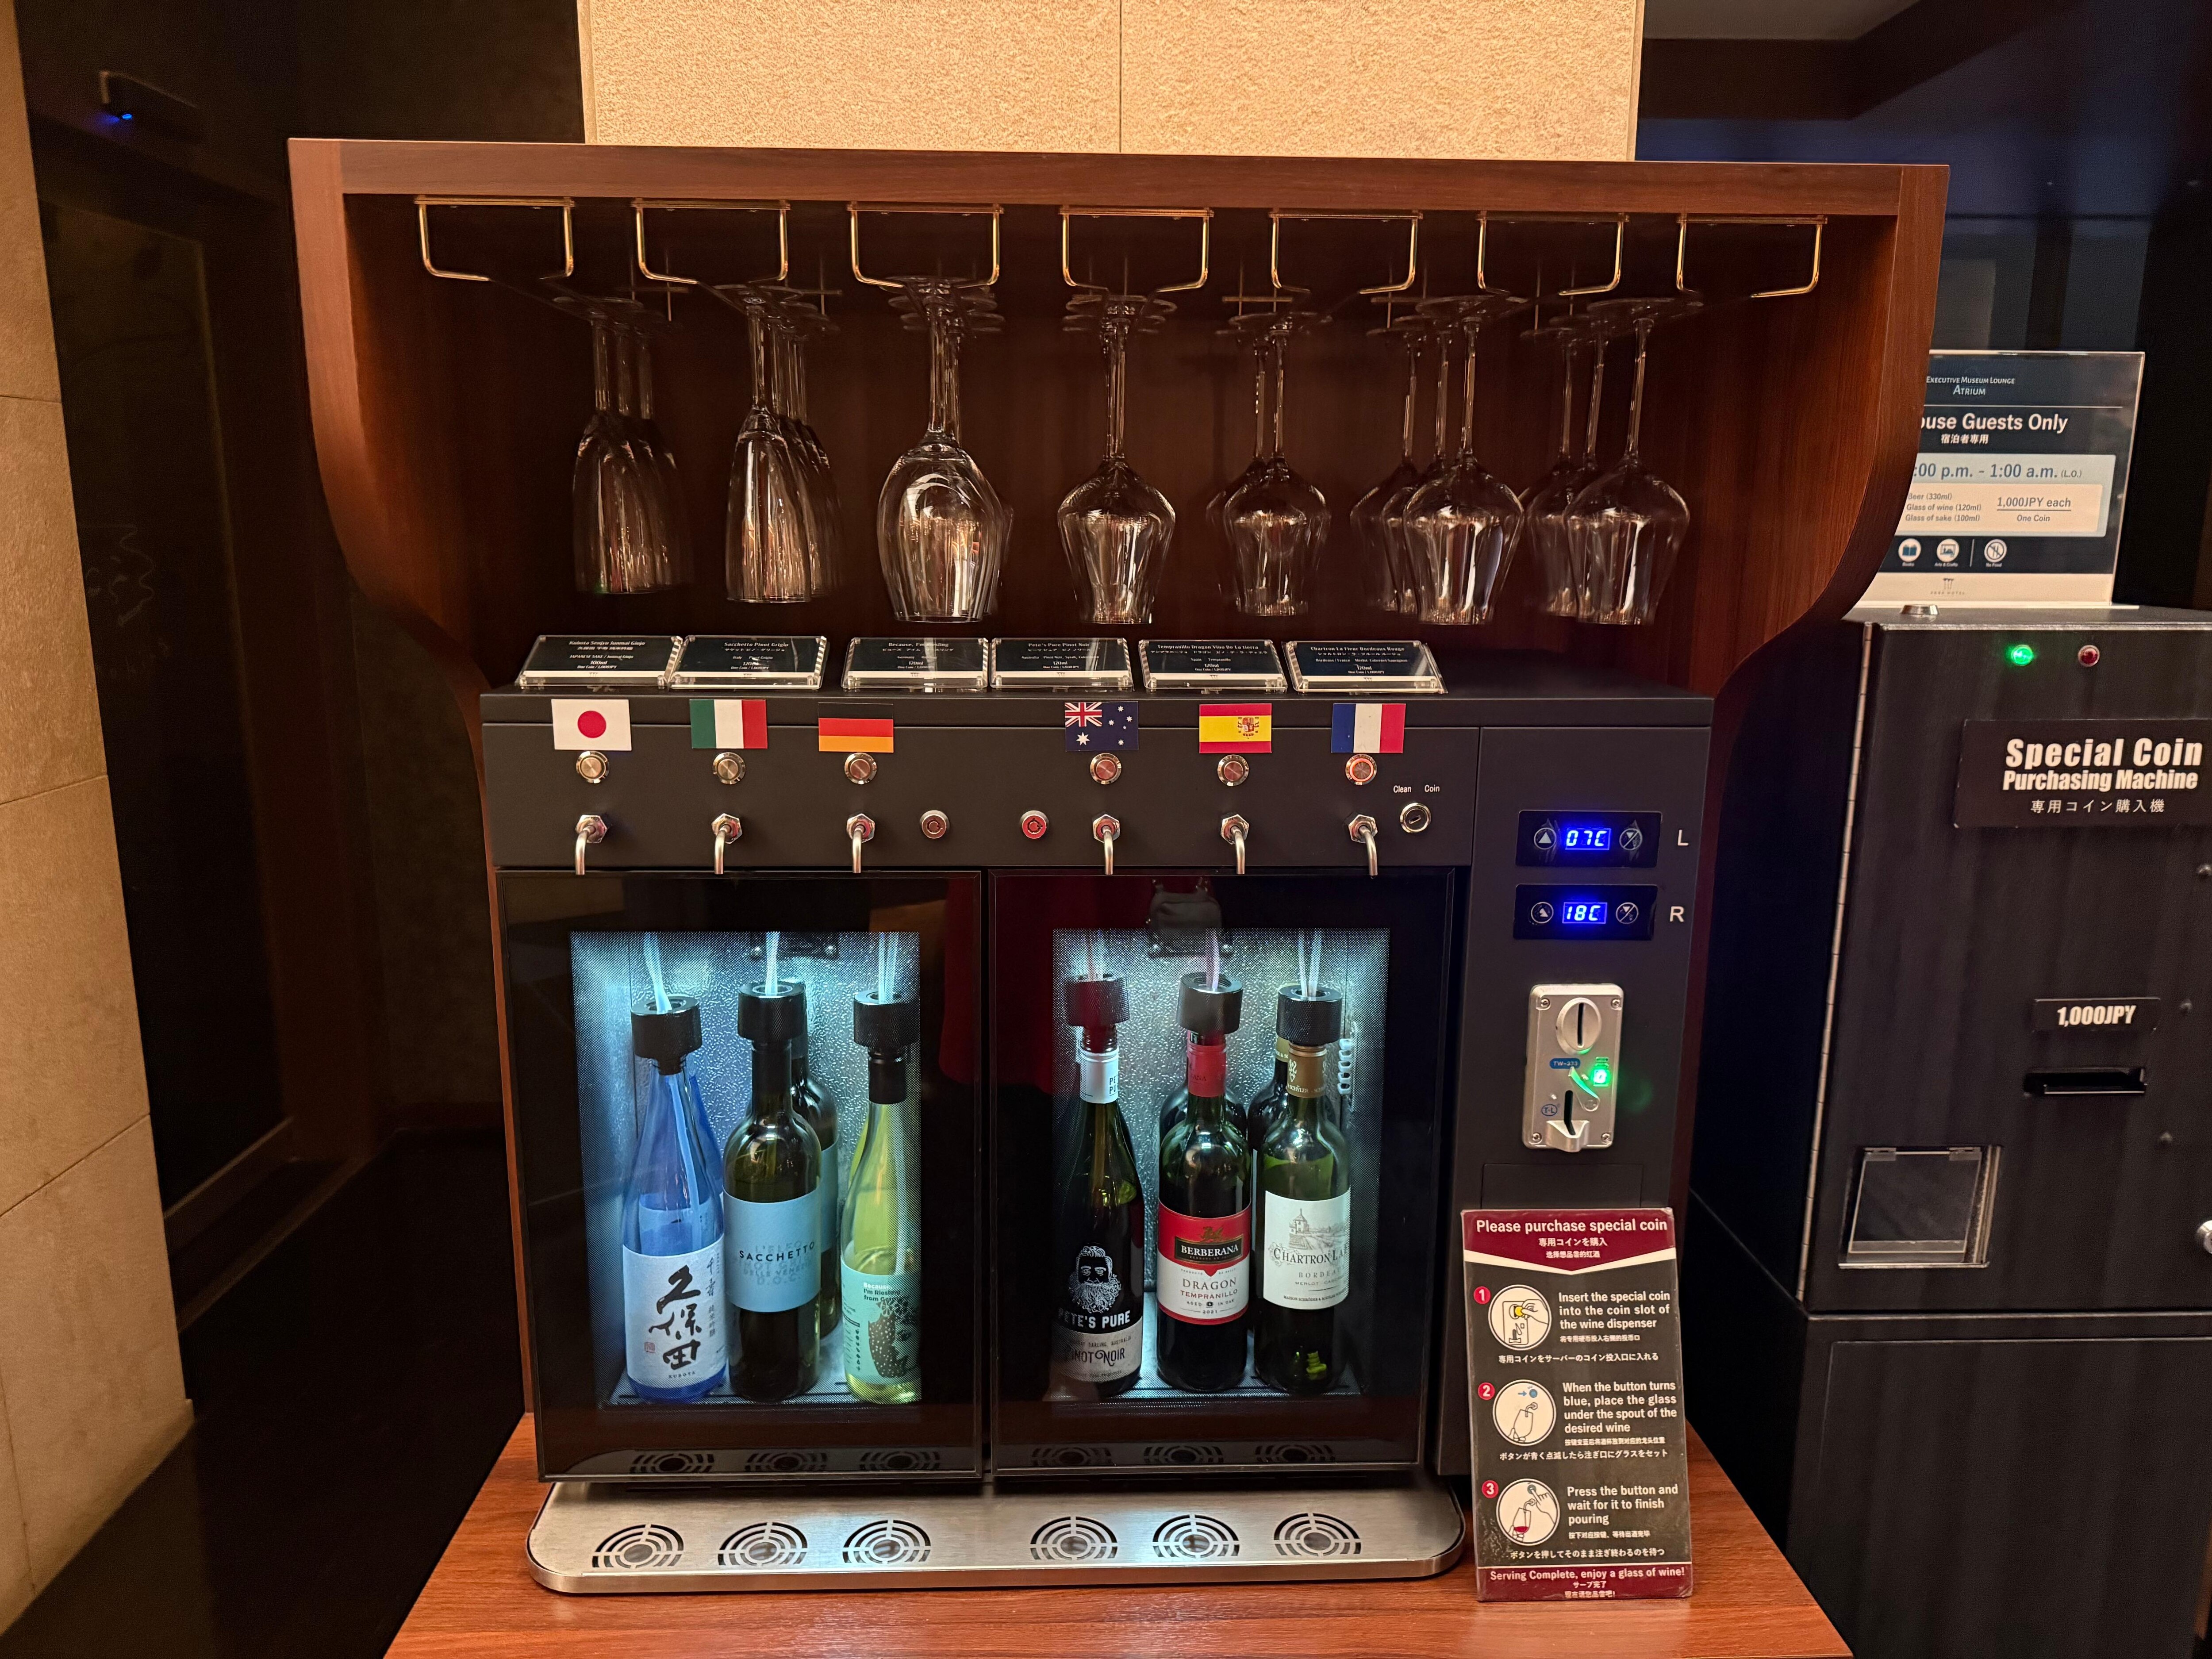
<point>1100,725</point>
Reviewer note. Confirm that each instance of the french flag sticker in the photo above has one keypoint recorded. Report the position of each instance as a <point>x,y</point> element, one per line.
<point>591,722</point>
<point>1368,728</point>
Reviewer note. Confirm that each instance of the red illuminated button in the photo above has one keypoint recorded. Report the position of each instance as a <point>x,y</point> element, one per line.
<point>2088,656</point>
<point>1035,823</point>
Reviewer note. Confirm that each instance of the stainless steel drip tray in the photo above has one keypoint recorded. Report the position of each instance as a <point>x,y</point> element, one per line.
<point>594,1539</point>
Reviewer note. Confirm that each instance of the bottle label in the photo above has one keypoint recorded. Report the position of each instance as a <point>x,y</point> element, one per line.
<point>774,1251</point>
<point>883,1325</point>
<point>1098,1075</point>
<point>1099,1335</point>
<point>1204,1273</point>
<point>672,1306</point>
<point>1307,1248</point>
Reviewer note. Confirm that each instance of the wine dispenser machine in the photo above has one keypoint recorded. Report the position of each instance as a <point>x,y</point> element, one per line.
<point>990,1138</point>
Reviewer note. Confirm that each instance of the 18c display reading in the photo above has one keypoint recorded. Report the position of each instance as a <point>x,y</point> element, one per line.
<point>1584,912</point>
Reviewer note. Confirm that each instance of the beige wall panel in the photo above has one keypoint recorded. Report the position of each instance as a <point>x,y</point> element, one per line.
<point>27,336</point>
<point>88,1345</point>
<point>859,74</point>
<point>48,707</point>
<point>15,1587</point>
<point>1538,79</point>
<point>68,1048</point>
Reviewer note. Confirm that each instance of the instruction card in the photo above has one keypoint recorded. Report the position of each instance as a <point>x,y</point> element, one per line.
<point>1574,1367</point>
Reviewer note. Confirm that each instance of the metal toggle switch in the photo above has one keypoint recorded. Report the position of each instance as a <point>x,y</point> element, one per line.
<point>727,829</point>
<point>1234,830</point>
<point>861,828</point>
<point>1103,829</point>
<point>1362,829</point>
<point>1574,1067</point>
<point>591,830</point>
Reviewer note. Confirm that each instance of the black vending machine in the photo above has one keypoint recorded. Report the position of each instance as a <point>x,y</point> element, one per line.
<point>1949,1269</point>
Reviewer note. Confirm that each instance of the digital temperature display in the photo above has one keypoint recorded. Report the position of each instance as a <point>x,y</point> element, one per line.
<point>1586,912</point>
<point>1618,840</point>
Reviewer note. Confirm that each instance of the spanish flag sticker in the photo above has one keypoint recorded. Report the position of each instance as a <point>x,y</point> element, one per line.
<point>843,736</point>
<point>1235,728</point>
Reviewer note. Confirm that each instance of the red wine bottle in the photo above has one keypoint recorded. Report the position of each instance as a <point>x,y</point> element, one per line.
<point>1202,1278</point>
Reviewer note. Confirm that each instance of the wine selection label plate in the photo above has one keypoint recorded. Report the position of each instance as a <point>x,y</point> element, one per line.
<point>638,661</point>
<point>1060,664</point>
<point>879,664</point>
<point>1211,665</point>
<point>1574,1371</point>
<point>1363,666</point>
<point>782,662</point>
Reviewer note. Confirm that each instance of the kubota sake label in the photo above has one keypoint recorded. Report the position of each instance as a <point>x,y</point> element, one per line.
<point>1306,1245</point>
<point>672,1305</point>
<point>883,1325</point>
<point>773,1252</point>
<point>1204,1272</point>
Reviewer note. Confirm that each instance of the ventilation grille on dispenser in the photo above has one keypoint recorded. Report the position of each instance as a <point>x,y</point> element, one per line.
<point>1294,1451</point>
<point>887,1544</point>
<point>673,1462</point>
<point>1312,1533</point>
<point>899,1460</point>
<point>1194,1538</point>
<point>787,1462</point>
<point>1074,1538</point>
<point>1183,1454</point>
<point>1070,1457</point>
<point>763,1543</point>
<point>638,1549</point>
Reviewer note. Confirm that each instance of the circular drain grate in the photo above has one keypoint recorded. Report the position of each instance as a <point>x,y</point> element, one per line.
<point>887,1544</point>
<point>763,1543</point>
<point>787,1462</point>
<point>1293,1451</point>
<point>1185,1455</point>
<point>1313,1533</point>
<point>673,1462</point>
<point>1194,1538</point>
<point>898,1459</point>
<point>1074,1538</point>
<point>1069,1457</point>
<point>639,1549</point>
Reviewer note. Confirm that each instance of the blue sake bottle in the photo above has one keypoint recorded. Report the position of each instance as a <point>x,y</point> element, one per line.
<point>677,1346</point>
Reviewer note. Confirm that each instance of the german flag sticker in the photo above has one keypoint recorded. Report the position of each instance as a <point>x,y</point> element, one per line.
<point>1235,728</point>
<point>845,735</point>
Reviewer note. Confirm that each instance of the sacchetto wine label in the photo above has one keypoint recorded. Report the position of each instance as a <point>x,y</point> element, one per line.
<point>1307,1243</point>
<point>673,1309</point>
<point>883,1325</point>
<point>773,1252</point>
<point>1203,1275</point>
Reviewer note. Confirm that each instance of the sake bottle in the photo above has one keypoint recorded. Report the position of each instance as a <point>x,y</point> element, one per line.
<point>671,1220</point>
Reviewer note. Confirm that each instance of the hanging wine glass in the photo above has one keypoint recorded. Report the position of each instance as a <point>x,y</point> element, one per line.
<point>789,325</point>
<point>1115,527</point>
<point>940,527</point>
<point>1462,525</point>
<point>1385,574</point>
<point>616,533</point>
<point>767,557</point>
<point>1628,525</point>
<point>666,494</point>
<point>1436,340</point>
<point>1579,337</point>
<point>1276,522</point>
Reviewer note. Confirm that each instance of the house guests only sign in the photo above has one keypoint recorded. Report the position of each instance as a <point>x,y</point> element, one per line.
<point>1574,1365</point>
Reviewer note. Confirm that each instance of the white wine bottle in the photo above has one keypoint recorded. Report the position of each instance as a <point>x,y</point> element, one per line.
<point>879,1234</point>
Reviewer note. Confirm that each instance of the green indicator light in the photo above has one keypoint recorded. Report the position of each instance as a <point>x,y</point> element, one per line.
<point>1602,1074</point>
<point>2020,655</point>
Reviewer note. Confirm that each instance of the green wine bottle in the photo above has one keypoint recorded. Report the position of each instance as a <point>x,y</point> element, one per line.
<point>1305,1223</point>
<point>1098,1233</point>
<point>771,1202</point>
<point>1202,1278</point>
<point>879,1254</point>
<point>813,1104</point>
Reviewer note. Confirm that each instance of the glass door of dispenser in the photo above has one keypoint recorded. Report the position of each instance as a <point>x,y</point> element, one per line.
<point>1218,1113</point>
<point>747,1139</point>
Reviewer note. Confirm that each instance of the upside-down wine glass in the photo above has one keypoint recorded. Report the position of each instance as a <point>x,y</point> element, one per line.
<point>617,522</point>
<point>1549,497</point>
<point>1463,525</point>
<point>767,552</point>
<point>1435,338</point>
<point>1276,522</point>
<point>1386,578</point>
<point>1628,525</point>
<point>667,492</point>
<point>789,326</point>
<point>1116,528</point>
<point>940,527</point>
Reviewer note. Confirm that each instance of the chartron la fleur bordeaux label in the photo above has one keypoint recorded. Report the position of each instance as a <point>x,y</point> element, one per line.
<point>2131,774</point>
<point>1574,1366</point>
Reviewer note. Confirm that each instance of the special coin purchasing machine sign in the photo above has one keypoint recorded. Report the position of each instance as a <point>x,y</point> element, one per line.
<point>2021,477</point>
<point>1574,1366</point>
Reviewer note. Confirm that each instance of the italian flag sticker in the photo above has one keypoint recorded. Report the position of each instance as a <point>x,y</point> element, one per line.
<point>729,723</point>
<point>591,722</point>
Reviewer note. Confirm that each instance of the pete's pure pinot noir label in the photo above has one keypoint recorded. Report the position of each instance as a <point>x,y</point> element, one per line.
<point>1098,1333</point>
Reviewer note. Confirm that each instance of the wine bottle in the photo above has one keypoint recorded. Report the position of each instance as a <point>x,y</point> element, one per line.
<point>1202,1278</point>
<point>879,1254</point>
<point>1098,1327</point>
<point>812,1103</point>
<point>672,1222</point>
<point>1268,1105</point>
<point>772,1225</point>
<point>1305,1220</point>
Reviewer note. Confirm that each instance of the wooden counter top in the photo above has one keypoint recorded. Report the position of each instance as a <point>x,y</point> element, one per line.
<point>482,1602</point>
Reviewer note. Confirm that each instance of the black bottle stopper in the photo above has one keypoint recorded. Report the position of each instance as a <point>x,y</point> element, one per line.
<point>773,1017</point>
<point>1206,1012</point>
<point>665,1036</point>
<point>1096,1003</point>
<point>1309,1021</point>
<point>885,1030</point>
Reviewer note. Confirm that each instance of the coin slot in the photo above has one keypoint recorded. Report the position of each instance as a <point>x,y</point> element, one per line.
<point>2053,1082</point>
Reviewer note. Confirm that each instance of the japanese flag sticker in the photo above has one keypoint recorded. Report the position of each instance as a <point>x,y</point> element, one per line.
<point>591,722</point>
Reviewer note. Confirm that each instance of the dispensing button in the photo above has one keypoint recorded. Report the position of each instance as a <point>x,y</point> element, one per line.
<point>935,825</point>
<point>592,766</point>
<point>1412,817</point>
<point>1035,823</point>
<point>2204,1236</point>
<point>1105,830</point>
<point>1232,769</point>
<point>729,766</point>
<point>1104,768</point>
<point>1360,768</point>
<point>727,829</point>
<point>591,830</point>
<point>860,766</point>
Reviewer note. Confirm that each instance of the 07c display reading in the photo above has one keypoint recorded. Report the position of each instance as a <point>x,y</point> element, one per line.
<point>1588,840</point>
